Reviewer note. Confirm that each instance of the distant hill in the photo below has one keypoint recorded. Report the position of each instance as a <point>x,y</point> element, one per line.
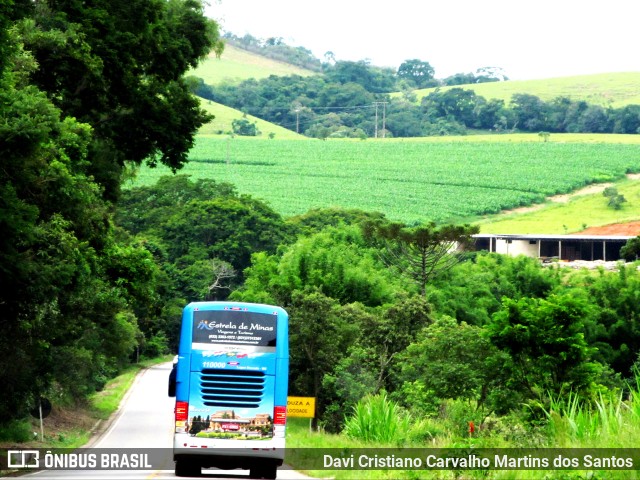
<point>221,124</point>
<point>607,89</point>
<point>613,90</point>
<point>237,64</point>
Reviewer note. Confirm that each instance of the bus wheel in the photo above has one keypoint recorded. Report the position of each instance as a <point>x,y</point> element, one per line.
<point>187,469</point>
<point>264,470</point>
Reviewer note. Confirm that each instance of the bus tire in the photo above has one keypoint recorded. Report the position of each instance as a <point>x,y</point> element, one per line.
<point>187,469</point>
<point>266,470</point>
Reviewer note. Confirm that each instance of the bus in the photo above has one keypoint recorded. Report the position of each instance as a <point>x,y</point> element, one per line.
<point>230,382</point>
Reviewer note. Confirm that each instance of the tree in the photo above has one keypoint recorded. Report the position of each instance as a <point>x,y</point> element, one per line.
<point>627,119</point>
<point>490,74</point>
<point>529,112</point>
<point>419,73</point>
<point>336,261</point>
<point>387,335</point>
<point>117,66</point>
<point>615,199</point>
<point>546,341</point>
<point>244,127</point>
<point>421,252</point>
<point>321,338</point>
<point>69,287</point>
<point>457,104</point>
<point>631,250</point>
<point>453,360</point>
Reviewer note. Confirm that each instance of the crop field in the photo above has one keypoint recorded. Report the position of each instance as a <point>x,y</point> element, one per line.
<point>408,180</point>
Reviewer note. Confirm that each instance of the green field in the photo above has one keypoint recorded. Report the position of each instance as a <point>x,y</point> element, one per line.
<point>409,180</point>
<point>236,65</point>
<point>608,89</point>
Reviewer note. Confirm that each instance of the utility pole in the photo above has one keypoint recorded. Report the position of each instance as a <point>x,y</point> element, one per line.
<point>376,130</point>
<point>297,110</point>
<point>384,118</point>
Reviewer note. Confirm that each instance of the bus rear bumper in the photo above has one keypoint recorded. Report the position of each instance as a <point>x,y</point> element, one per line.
<point>235,453</point>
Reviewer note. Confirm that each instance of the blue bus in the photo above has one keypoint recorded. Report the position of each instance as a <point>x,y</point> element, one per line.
<point>231,380</point>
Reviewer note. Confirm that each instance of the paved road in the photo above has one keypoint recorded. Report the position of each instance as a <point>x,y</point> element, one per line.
<point>145,420</point>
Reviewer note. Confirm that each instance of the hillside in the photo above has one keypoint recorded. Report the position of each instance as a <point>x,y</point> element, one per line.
<point>582,211</point>
<point>608,89</point>
<point>236,64</point>
<point>221,124</point>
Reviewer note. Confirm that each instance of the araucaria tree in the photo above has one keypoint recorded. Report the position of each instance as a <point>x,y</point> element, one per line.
<point>421,252</point>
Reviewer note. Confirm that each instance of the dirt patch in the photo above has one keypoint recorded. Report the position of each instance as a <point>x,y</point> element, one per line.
<point>631,229</point>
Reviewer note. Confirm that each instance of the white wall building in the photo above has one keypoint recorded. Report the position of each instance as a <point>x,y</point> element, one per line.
<point>560,247</point>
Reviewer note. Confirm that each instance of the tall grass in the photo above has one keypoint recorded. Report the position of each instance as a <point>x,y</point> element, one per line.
<point>612,421</point>
<point>375,418</point>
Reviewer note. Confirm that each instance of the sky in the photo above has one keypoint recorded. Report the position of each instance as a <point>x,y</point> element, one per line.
<point>528,39</point>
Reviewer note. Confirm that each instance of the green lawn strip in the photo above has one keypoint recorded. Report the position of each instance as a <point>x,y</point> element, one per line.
<point>106,402</point>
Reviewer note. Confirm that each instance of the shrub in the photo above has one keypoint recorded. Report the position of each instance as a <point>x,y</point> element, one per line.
<point>377,419</point>
<point>18,431</point>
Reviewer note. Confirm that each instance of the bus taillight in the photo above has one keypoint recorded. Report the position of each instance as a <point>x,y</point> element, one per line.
<point>182,411</point>
<point>280,415</point>
<point>182,415</point>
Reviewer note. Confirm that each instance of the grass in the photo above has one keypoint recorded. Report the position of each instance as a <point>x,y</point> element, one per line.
<point>608,89</point>
<point>578,213</point>
<point>236,64</point>
<point>224,116</point>
<point>376,419</point>
<point>611,422</point>
<point>105,402</point>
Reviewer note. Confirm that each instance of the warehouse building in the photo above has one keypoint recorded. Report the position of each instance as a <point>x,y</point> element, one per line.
<point>554,247</point>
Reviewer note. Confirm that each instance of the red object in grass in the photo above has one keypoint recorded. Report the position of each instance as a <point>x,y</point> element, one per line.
<point>472,428</point>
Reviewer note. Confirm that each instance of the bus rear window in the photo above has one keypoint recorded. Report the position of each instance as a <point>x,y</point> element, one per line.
<point>233,327</point>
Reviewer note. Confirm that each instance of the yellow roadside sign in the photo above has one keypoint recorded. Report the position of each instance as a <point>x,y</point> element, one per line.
<point>301,407</point>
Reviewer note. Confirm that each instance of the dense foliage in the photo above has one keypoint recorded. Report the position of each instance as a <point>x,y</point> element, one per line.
<point>353,99</point>
<point>201,236</point>
<point>501,332</point>
<point>84,90</point>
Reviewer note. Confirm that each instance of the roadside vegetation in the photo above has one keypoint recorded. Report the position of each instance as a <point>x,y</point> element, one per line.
<point>613,421</point>
<point>72,422</point>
